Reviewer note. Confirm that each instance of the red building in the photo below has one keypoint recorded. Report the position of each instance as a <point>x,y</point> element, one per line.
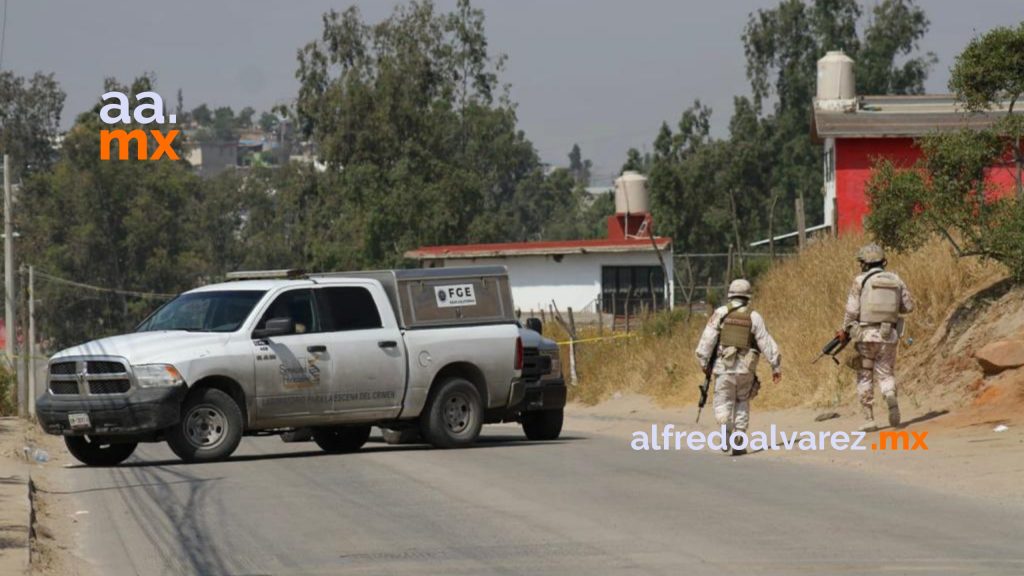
<point>858,130</point>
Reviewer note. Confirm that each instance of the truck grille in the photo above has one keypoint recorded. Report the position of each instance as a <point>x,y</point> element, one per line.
<point>64,387</point>
<point>104,367</point>
<point>96,377</point>
<point>62,368</point>
<point>109,386</point>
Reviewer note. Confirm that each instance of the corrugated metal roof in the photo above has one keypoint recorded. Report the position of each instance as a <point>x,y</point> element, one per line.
<point>537,248</point>
<point>901,117</point>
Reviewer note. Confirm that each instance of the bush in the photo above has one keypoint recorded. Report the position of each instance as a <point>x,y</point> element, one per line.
<point>8,385</point>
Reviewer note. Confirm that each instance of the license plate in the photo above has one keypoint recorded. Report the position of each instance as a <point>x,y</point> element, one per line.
<point>79,421</point>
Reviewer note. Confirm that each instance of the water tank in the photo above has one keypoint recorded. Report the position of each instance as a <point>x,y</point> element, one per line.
<point>835,77</point>
<point>631,193</point>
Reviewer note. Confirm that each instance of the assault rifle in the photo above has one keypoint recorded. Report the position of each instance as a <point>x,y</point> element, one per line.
<point>834,346</point>
<point>708,375</point>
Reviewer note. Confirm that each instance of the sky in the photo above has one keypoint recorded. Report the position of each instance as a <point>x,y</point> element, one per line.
<point>601,73</point>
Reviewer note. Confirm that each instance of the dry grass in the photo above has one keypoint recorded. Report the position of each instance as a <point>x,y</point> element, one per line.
<point>802,301</point>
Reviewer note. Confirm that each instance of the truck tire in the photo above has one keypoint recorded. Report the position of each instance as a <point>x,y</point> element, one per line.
<point>341,439</point>
<point>210,427</point>
<point>454,416</point>
<point>543,424</point>
<point>98,450</point>
<point>403,436</point>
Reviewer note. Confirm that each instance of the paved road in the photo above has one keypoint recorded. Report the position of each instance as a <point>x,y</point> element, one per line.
<point>586,504</point>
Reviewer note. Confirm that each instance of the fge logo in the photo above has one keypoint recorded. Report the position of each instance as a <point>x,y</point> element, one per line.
<point>455,295</point>
<point>150,109</point>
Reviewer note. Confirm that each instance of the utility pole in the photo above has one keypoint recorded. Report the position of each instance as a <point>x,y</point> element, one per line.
<point>9,317</point>
<point>31,349</point>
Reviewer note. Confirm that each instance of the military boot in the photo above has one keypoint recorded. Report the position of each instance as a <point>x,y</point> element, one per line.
<point>739,451</point>
<point>869,419</point>
<point>894,409</point>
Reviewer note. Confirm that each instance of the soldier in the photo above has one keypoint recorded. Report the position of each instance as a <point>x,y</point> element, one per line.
<point>872,321</point>
<point>741,337</point>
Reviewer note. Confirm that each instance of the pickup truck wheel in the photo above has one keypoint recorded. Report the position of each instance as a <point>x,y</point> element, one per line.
<point>99,451</point>
<point>455,415</point>
<point>543,424</point>
<point>210,427</point>
<point>341,439</point>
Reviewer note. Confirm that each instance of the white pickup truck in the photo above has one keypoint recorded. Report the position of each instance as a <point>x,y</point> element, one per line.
<point>435,351</point>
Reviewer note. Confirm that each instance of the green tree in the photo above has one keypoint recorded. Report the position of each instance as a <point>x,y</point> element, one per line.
<point>579,167</point>
<point>990,71</point>
<point>122,225</point>
<point>410,111</point>
<point>202,115</point>
<point>268,122</point>
<point>946,192</point>
<point>30,112</point>
<point>782,46</point>
<point>244,118</point>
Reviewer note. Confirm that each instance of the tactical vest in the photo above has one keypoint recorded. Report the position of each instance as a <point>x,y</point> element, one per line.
<point>880,298</point>
<point>737,329</point>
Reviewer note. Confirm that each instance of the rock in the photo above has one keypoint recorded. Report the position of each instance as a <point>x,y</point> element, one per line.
<point>1001,355</point>
<point>826,416</point>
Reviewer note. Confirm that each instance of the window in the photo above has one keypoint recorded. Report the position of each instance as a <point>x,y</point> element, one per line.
<point>348,308</point>
<point>297,305</point>
<point>632,289</point>
<point>830,164</point>
<point>220,311</point>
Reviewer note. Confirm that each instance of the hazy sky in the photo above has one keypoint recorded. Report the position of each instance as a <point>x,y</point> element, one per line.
<point>601,73</point>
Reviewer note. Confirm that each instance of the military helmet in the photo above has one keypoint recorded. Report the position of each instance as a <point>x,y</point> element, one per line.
<point>739,288</point>
<point>871,254</point>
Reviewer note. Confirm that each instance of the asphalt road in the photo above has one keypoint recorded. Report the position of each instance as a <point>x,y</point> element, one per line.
<point>585,504</point>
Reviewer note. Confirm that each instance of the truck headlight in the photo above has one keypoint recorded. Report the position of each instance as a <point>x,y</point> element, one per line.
<point>157,376</point>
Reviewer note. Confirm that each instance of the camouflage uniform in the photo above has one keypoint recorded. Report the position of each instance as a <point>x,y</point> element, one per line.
<point>735,370</point>
<point>876,349</point>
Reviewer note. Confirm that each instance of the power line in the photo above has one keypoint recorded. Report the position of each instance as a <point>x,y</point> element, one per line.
<point>3,36</point>
<point>58,280</point>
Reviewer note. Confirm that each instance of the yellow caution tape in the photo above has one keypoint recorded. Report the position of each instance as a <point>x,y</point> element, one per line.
<point>597,338</point>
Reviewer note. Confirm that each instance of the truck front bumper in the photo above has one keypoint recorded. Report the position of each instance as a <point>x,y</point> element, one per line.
<point>140,411</point>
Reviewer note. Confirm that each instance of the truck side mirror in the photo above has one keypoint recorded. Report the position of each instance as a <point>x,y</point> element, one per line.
<point>535,324</point>
<point>275,327</point>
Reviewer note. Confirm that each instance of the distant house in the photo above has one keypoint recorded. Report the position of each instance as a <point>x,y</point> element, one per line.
<point>857,130</point>
<point>211,158</point>
<point>627,270</point>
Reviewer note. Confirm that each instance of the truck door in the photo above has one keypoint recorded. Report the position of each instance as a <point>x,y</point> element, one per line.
<point>365,347</point>
<point>291,369</point>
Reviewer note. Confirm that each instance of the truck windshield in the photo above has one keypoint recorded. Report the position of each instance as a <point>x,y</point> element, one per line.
<point>221,311</point>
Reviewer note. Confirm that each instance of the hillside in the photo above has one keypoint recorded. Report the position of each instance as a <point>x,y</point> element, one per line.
<point>957,312</point>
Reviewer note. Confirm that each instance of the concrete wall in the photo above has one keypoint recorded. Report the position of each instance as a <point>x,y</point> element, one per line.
<point>574,282</point>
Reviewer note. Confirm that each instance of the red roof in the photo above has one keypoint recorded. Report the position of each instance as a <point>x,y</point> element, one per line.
<point>538,248</point>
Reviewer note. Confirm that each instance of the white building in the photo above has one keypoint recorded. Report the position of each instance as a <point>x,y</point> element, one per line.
<point>626,269</point>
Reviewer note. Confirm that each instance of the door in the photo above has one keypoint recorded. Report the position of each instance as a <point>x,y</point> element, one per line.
<point>365,348</point>
<point>291,369</point>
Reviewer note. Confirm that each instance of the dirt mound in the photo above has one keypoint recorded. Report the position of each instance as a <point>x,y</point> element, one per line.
<point>946,370</point>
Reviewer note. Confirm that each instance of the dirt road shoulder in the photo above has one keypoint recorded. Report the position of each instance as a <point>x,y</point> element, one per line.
<point>965,455</point>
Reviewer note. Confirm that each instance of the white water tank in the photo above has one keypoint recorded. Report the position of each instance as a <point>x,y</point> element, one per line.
<point>835,77</point>
<point>631,193</point>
